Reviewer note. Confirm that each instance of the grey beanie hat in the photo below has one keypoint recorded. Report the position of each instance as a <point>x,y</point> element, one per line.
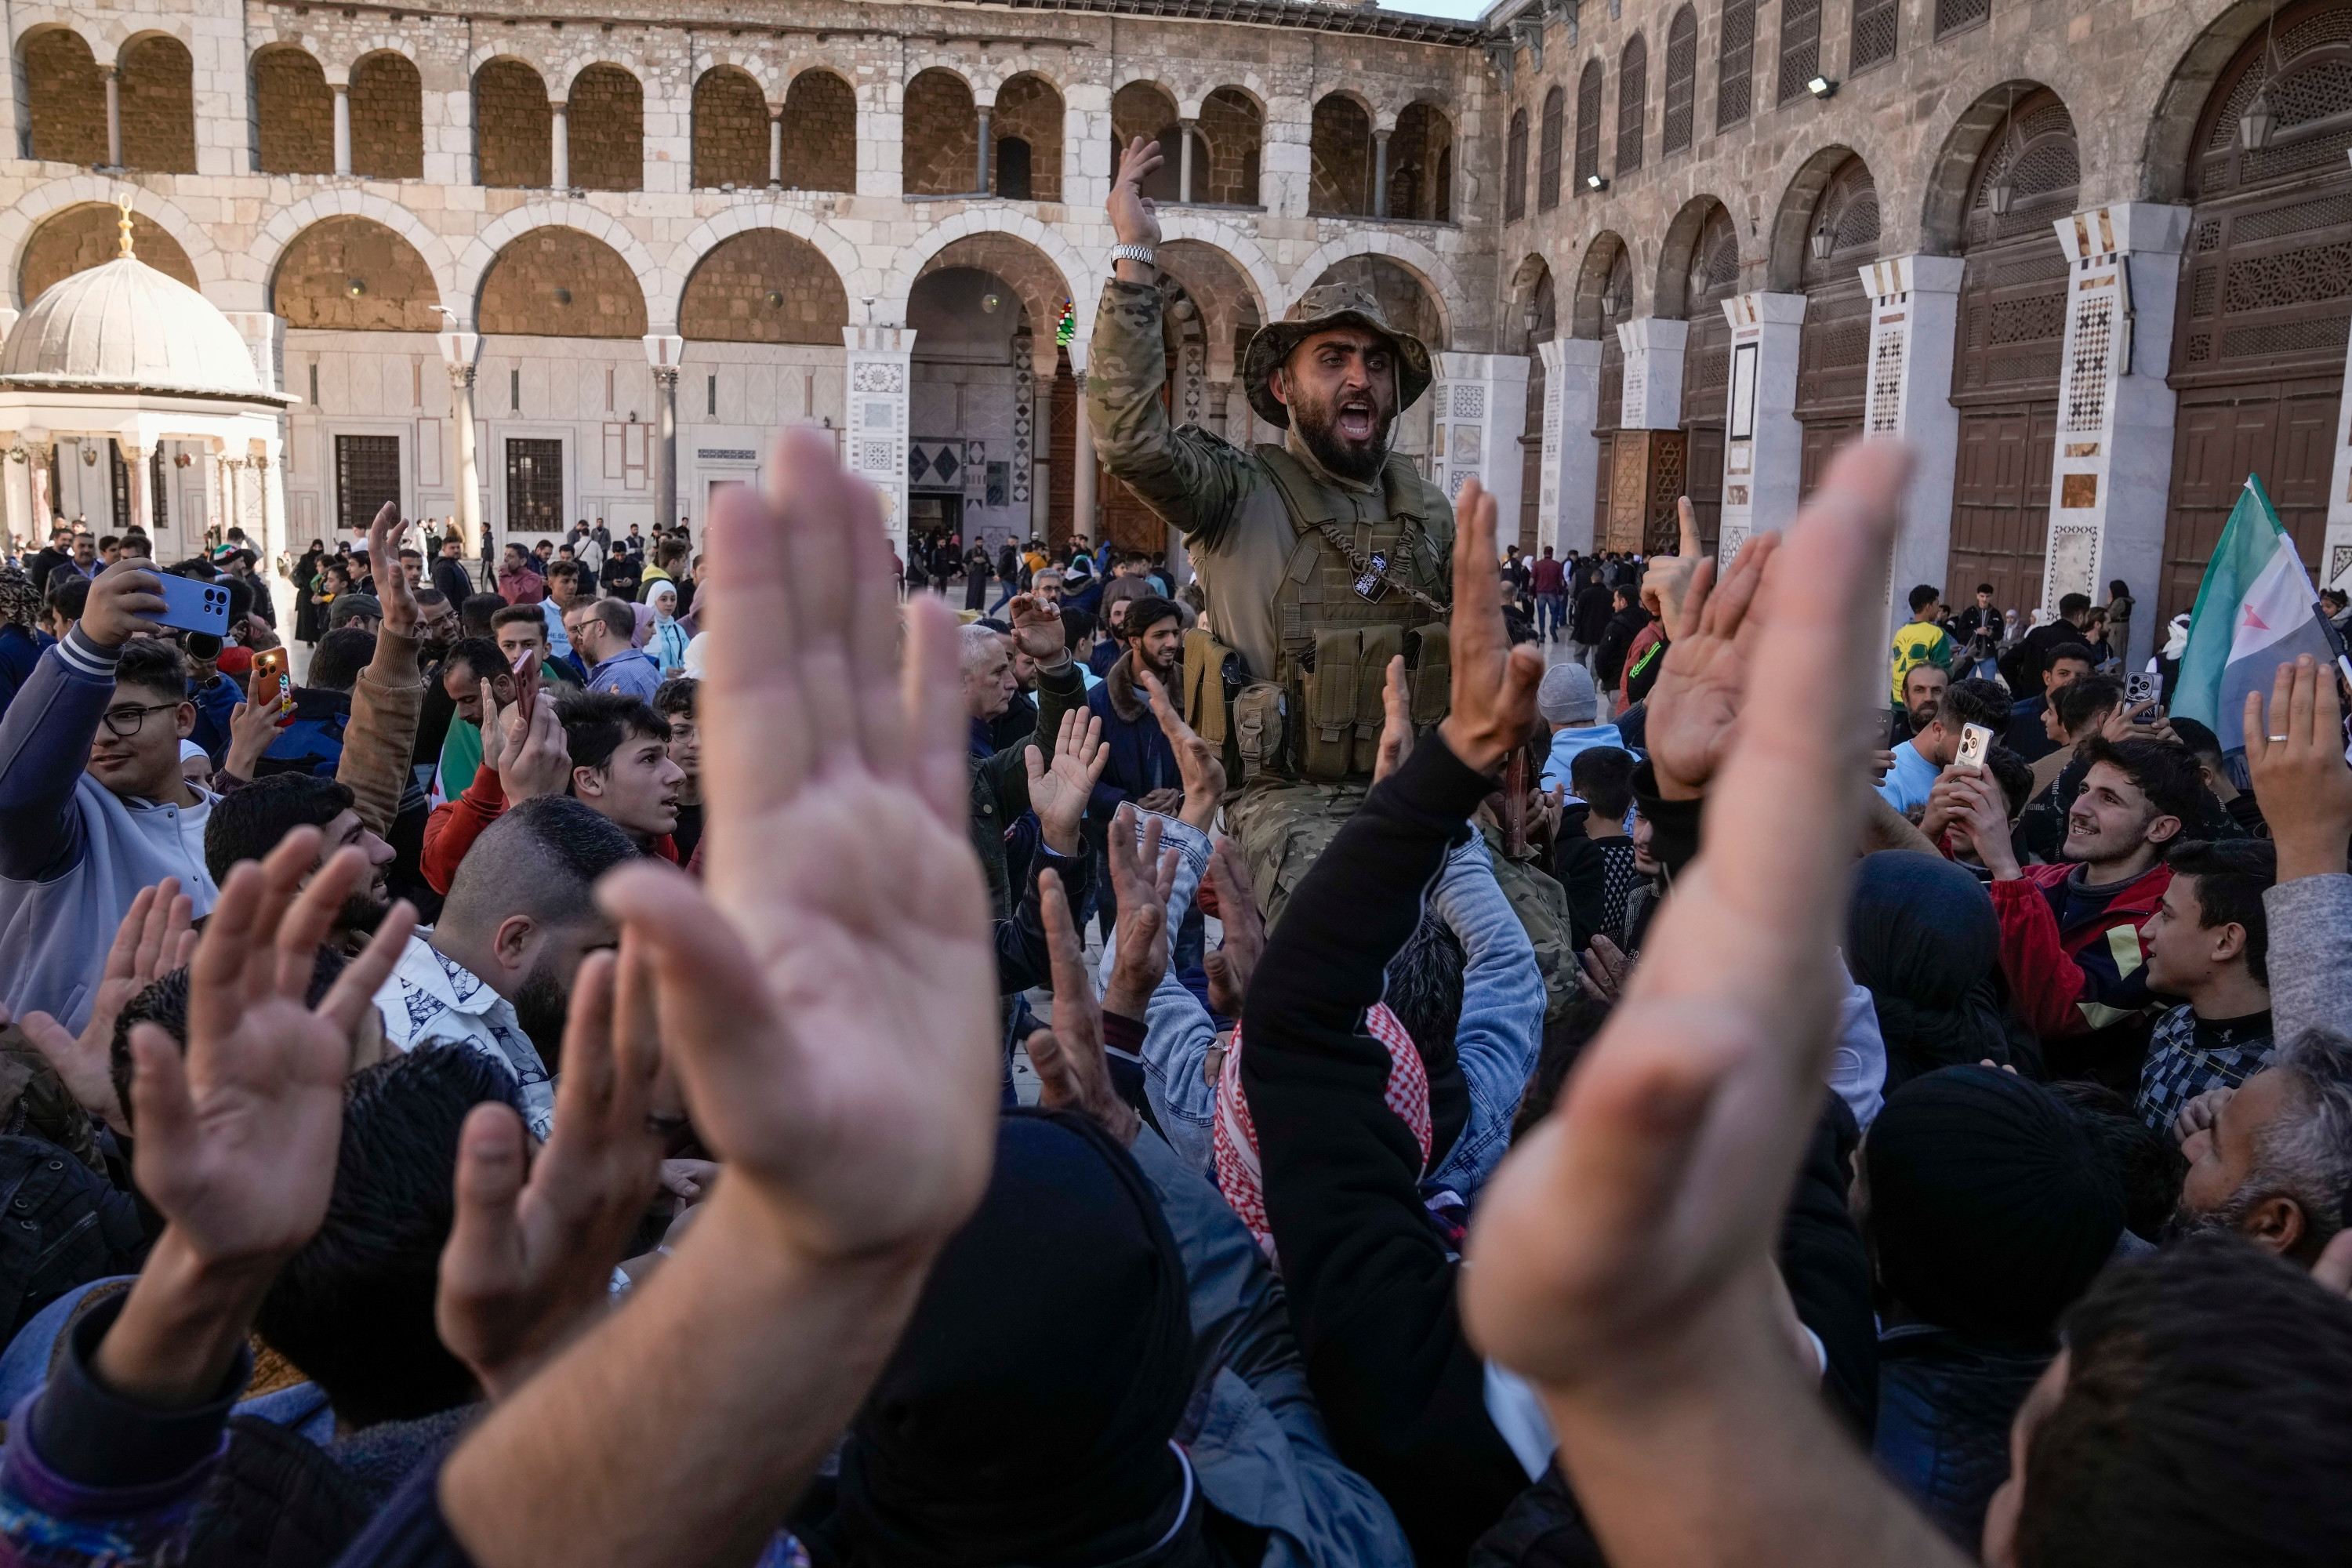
<point>1566,696</point>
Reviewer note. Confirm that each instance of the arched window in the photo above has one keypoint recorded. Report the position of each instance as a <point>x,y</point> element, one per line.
<point>66,98</point>
<point>1233,127</point>
<point>1682,80</point>
<point>605,129</point>
<point>1801,46</point>
<point>1514,169</point>
<point>514,135</point>
<point>294,114</point>
<point>1340,143</point>
<point>387,118</point>
<point>1026,126</point>
<point>1632,102</point>
<point>1873,43</point>
<point>820,135</point>
<point>1555,127</point>
<point>156,85</point>
<point>1588,126</point>
<point>730,129</point>
<point>1734,59</point>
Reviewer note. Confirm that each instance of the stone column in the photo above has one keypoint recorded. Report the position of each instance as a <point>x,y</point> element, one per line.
<point>1763,447</point>
<point>1379,174</point>
<point>663,351</point>
<point>1042,367</point>
<point>1221,394</point>
<point>40,466</point>
<point>560,147</point>
<point>269,475</point>
<point>17,486</point>
<point>1478,406</point>
<point>343,91</point>
<point>1564,509</point>
<point>1184,130</point>
<point>134,469</point>
<point>113,74</point>
<point>2112,459</point>
<point>457,352</point>
<point>1914,317</point>
<point>879,370</point>
<point>1084,482</point>
<point>775,146</point>
<point>982,186</point>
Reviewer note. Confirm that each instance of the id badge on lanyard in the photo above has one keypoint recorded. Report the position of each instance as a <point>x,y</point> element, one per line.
<point>1373,585</point>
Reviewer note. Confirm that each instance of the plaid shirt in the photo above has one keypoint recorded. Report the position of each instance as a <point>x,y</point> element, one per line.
<point>2187,1057</point>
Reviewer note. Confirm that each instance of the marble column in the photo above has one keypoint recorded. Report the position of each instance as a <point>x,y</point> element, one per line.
<point>663,351</point>
<point>1185,131</point>
<point>1379,174</point>
<point>40,466</point>
<point>134,469</point>
<point>269,474</point>
<point>1914,324</point>
<point>1764,446</point>
<point>775,146</point>
<point>982,186</point>
<point>2112,461</point>
<point>458,353</point>
<point>113,74</point>
<point>879,370</point>
<point>343,127</point>
<point>1564,506</point>
<point>1478,406</point>
<point>560,147</point>
<point>1083,483</point>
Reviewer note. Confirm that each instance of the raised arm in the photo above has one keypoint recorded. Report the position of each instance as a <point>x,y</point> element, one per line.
<point>381,739</point>
<point>1191,478</point>
<point>1623,1257</point>
<point>2305,788</point>
<point>1501,1027</point>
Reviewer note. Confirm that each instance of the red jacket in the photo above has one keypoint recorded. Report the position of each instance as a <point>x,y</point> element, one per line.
<point>2087,985</point>
<point>454,825</point>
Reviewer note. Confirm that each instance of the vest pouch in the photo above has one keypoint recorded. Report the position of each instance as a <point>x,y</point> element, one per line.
<point>1204,687</point>
<point>1327,733</point>
<point>1257,727</point>
<point>1428,648</point>
<point>1381,643</point>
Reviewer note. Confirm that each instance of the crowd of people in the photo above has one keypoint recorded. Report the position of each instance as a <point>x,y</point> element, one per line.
<point>537,1081</point>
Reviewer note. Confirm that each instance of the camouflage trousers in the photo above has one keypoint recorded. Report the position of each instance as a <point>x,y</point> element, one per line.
<point>1284,826</point>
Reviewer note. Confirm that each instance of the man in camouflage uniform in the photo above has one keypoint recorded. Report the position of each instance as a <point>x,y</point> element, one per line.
<point>1321,560</point>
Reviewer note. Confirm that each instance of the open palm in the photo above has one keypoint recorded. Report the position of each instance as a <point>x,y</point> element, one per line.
<point>829,1004</point>
<point>1695,705</point>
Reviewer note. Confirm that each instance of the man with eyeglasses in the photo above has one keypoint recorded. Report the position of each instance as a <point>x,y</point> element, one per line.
<point>93,806</point>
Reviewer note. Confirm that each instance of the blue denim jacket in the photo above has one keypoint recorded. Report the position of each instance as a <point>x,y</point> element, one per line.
<point>1502,1011</point>
<point>1178,1031</point>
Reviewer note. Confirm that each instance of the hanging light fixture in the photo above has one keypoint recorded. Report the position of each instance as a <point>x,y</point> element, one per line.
<point>2002,193</point>
<point>2259,120</point>
<point>1823,241</point>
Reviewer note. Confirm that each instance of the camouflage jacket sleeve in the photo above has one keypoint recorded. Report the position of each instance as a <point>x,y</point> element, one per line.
<point>1193,480</point>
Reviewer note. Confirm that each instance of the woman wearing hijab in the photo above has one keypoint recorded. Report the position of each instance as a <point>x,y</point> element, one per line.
<point>665,639</point>
<point>1923,938</point>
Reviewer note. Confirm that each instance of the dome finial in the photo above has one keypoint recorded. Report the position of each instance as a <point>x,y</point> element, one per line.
<point>124,226</point>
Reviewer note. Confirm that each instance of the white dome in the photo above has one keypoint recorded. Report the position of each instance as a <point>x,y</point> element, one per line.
<point>124,325</point>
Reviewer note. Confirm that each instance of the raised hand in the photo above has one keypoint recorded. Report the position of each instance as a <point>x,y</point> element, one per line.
<point>1059,790</point>
<point>1072,1072</point>
<point>401,615</point>
<point>124,600</point>
<point>1494,683</point>
<point>529,1262</point>
<point>1141,877</point>
<point>1980,810</point>
<point>253,725</point>
<point>1623,1253</point>
<point>237,1143</point>
<point>2300,777</point>
<point>1036,629</point>
<point>1694,704</point>
<point>1132,215</point>
<point>157,935</point>
<point>1396,723</point>
<point>1197,763</point>
<point>1669,577</point>
<point>1234,961</point>
<point>829,1003</point>
<point>528,752</point>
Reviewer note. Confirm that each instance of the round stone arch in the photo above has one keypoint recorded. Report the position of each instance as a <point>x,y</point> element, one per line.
<point>18,223</point>
<point>346,273</point>
<point>1585,318</point>
<point>855,277</point>
<point>1239,248</point>
<point>2181,102</point>
<point>516,49</point>
<point>1786,239</point>
<point>558,281</point>
<point>288,224</point>
<point>656,284</point>
<point>1671,295</point>
<point>1082,284</point>
<point>763,286</point>
<point>350,58</point>
<point>1534,287</point>
<point>1411,254</point>
<point>1944,201</point>
<point>121,32</point>
<point>767,73</point>
<point>1225,289</point>
<point>559,81</point>
<point>76,238</point>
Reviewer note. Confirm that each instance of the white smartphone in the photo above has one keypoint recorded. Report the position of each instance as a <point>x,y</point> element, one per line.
<point>1975,741</point>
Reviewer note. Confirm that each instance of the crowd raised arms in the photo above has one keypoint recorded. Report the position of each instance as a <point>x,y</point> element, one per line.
<point>1351,1048</point>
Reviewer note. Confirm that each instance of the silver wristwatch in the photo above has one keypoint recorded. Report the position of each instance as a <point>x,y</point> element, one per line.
<point>1142,253</point>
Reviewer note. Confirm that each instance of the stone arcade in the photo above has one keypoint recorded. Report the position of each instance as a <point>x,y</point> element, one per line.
<point>522,268</point>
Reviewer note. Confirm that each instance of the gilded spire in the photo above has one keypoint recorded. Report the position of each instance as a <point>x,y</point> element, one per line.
<point>124,226</point>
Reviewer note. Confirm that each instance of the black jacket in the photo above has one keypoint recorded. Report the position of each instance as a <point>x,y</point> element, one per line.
<point>1624,628</point>
<point>1944,1407</point>
<point>1594,605</point>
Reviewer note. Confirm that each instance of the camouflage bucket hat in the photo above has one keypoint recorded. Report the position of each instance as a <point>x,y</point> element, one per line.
<point>1320,309</point>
